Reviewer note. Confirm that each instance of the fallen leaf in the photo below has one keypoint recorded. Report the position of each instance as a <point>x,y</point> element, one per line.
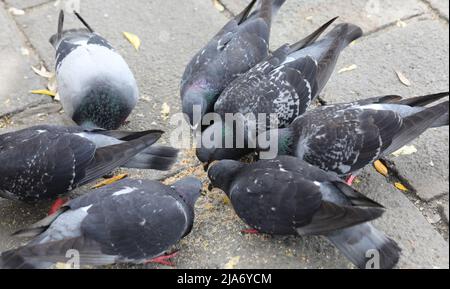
<point>43,92</point>
<point>232,263</point>
<point>218,5</point>
<point>348,68</point>
<point>401,187</point>
<point>43,72</point>
<point>165,111</point>
<point>381,168</point>
<point>109,181</point>
<point>403,78</point>
<point>52,85</point>
<point>133,39</point>
<point>16,12</point>
<point>405,151</point>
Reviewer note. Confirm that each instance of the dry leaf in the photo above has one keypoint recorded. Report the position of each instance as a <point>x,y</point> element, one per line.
<point>165,111</point>
<point>52,84</point>
<point>133,39</point>
<point>218,5</point>
<point>401,187</point>
<point>348,68</point>
<point>403,78</point>
<point>405,151</point>
<point>43,92</point>
<point>109,181</point>
<point>16,12</point>
<point>381,168</point>
<point>43,72</point>
<point>232,263</point>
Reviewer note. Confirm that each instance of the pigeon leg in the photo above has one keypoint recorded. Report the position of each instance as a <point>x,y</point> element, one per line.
<point>250,232</point>
<point>350,180</point>
<point>163,260</point>
<point>57,205</point>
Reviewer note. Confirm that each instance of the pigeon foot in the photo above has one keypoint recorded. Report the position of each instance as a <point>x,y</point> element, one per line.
<point>350,180</point>
<point>163,260</point>
<point>250,232</point>
<point>57,205</point>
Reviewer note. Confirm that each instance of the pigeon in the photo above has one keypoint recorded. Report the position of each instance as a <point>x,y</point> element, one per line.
<point>131,221</point>
<point>241,44</point>
<point>43,162</point>
<point>287,196</point>
<point>95,84</point>
<point>345,138</point>
<point>284,85</point>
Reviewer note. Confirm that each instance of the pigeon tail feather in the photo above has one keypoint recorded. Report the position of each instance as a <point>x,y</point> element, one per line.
<point>366,247</point>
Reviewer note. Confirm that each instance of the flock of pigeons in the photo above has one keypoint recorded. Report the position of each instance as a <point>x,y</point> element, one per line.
<point>301,192</point>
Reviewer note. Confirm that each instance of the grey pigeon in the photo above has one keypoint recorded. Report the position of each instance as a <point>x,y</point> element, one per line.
<point>95,84</point>
<point>287,196</point>
<point>241,44</point>
<point>285,84</point>
<point>344,138</point>
<point>131,221</point>
<point>43,162</point>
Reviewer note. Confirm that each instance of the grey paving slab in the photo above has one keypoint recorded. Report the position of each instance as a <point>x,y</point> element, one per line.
<point>427,170</point>
<point>419,51</point>
<point>23,4</point>
<point>16,76</point>
<point>297,18</point>
<point>422,245</point>
<point>442,6</point>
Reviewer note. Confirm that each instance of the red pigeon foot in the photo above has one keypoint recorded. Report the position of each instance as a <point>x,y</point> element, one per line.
<point>163,260</point>
<point>57,205</point>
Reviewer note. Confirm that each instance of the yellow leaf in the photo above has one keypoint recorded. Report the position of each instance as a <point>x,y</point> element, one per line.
<point>44,92</point>
<point>403,78</point>
<point>348,68</point>
<point>133,39</point>
<point>401,187</point>
<point>405,151</point>
<point>109,181</point>
<point>232,263</point>
<point>218,5</point>
<point>381,168</point>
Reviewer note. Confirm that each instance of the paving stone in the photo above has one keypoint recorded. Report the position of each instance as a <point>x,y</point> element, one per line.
<point>442,6</point>
<point>16,77</point>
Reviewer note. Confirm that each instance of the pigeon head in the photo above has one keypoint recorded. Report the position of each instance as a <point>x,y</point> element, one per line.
<point>198,100</point>
<point>189,190</point>
<point>214,144</point>
<point>222,174</point>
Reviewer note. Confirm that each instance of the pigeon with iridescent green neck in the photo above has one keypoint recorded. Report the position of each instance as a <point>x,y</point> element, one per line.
<point>131,221</point>
<point>287,196</point>
<point>95,84</point>
<point>344,138</point>
<point>241,44</point>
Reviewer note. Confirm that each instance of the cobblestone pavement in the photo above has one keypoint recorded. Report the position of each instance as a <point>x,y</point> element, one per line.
<point>406,36</point>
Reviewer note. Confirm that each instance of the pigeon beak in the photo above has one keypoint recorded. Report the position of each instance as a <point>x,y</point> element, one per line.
<point>206,166</point>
